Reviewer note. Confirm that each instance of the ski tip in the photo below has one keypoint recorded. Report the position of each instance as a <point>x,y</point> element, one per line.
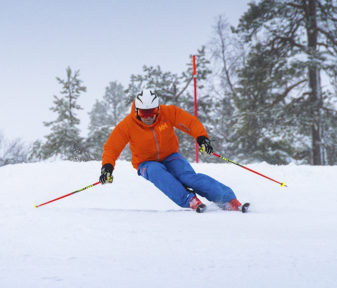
<point>201,208</point>
<point>245,207</point>
<point>35,206</point>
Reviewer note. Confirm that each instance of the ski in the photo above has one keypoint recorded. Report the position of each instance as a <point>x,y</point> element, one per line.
<point>203,208</point>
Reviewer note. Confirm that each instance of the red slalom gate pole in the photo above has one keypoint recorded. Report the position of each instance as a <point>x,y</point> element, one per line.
<point>79,190</point>
<point>195,105</point>
<point>251,170</point>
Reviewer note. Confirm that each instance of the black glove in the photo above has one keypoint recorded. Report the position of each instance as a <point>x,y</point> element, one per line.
<point>106,174</point>
<point>205,144</point>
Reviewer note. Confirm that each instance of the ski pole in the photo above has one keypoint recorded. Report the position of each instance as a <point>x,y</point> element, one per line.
<point>79,190</point>
<point>251,170</point>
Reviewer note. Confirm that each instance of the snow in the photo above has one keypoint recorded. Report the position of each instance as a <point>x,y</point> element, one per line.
<point>128,234</point>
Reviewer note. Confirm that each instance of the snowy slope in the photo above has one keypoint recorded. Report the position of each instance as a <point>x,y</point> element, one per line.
<point>129,234</point>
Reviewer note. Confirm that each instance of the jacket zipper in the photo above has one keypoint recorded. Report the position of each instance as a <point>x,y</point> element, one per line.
<point>155,138</point>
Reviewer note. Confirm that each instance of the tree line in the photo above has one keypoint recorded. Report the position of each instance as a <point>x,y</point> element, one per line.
<point>266,91</point>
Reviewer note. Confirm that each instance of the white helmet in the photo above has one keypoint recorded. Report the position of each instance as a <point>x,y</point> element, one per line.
<point>147,99</point>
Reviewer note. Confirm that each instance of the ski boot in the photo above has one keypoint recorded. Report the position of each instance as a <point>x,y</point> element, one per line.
<point>197,205</point>
<point>235,205</point>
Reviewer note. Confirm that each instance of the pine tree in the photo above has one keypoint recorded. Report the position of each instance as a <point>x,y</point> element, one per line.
<point>299,39</point>
<point>228,55</point>
<point>64,140</point>
<point>330,125</point>
<point>104,116</point>
<point>258,134</point>
<point>205,104</point>
<point>166,84</point>
<point>99,129</point>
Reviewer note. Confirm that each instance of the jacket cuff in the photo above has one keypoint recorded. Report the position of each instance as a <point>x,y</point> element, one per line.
<point>107,167</point>
<point>201,140</point>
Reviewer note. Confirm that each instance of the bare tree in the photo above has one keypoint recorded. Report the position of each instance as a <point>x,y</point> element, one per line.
<point>12,152</point>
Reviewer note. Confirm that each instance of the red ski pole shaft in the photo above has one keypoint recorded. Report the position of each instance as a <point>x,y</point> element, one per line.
<point>251,170</point>
<point>79,190</point>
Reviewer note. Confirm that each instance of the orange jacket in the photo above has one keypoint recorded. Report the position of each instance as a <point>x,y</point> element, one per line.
<point>155,142</point>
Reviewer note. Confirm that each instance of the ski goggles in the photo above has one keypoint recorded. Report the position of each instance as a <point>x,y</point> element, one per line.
<point>147,113</point>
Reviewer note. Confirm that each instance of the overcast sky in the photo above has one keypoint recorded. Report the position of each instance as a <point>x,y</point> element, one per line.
<point>105,40</point>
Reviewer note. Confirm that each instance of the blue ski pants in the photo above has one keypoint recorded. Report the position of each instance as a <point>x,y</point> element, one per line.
<point>175,173</point>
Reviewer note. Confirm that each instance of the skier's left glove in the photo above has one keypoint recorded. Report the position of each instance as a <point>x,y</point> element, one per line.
<point>205,144</point>
<point>106,174</point>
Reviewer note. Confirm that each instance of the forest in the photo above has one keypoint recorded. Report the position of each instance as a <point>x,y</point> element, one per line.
<point>267,92</point>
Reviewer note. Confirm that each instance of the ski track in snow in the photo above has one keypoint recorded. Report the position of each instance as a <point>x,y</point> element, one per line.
<point>128,234</point>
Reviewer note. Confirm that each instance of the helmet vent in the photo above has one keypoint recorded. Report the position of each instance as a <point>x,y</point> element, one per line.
<point>140,94</point>
<point>147,99</point>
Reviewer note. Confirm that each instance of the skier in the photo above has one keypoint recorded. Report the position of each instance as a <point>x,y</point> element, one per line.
<point>149,130</point>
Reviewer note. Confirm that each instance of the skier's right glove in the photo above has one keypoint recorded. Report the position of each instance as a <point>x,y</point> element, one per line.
<point>106,174</point>
<point>205,144</point>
